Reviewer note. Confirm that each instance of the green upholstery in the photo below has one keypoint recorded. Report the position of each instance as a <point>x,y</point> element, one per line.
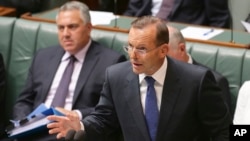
<point>229,64</point>
<point>204,55</point>
<point>22,50</point>
<point>105,37</point>
<point>47,36</point>
<point>246,68</point>
<point>120,40</point>
<point>6,27</point>
<point>22,38</point>
<point>232,63</point>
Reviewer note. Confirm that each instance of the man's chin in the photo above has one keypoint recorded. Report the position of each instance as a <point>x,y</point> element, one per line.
<point>136,71</point>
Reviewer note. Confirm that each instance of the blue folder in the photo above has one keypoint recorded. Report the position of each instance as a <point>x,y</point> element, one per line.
<point>33,123</point>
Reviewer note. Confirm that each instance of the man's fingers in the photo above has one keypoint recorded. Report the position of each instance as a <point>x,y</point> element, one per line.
<point>62,110</point>
<point>56,118</point>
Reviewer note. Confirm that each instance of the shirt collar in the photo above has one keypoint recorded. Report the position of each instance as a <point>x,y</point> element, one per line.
<point>159,75</point>
<point>79,55</point>
<point>190,60</point>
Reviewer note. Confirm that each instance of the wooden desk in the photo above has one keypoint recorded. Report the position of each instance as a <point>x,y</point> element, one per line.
<point>7,11</point>
<point>122,24</point>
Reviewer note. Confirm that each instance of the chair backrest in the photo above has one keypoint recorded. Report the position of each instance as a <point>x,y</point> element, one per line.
<point>24,40</point>
<point>232,63</point>
<point>6,28</point>
<point>47,36</point>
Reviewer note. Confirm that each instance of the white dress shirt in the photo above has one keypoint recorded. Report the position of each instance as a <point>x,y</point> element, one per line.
<point>80,56</point>
<point>159,77</point>
<point>242,111</point>
<point>156,5</point>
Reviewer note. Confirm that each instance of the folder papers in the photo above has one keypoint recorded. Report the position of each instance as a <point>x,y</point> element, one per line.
<point>33,123</point>
<point>200,32</point>
<point>102,18</point>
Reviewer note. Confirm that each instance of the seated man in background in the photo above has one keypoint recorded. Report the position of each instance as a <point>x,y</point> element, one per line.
<point>213,13</point>
<point>2,96</point>
<point>242,111</point>
<point>177,50</point>
<point>69,76</point>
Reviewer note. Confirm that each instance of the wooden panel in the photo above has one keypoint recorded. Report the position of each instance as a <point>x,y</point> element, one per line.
<point>7,11</point>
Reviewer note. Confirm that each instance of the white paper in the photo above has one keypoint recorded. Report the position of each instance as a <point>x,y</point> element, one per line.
<point>100,17</point>
<point>200,32</point>
<point>246,25</point>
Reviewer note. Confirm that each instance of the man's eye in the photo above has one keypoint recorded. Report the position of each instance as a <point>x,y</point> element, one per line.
<point>60,28</point>
<point>142,49</point>
<point>73,26</point>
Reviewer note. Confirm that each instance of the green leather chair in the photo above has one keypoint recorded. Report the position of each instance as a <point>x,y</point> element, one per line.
<point>6,28</point>
<point>22,50</point>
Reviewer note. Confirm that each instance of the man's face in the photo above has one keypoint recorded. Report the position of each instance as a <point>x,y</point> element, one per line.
<point>152,58</point>
<point>177,51</point>
<point>73,32</point>
<point>174,52</point>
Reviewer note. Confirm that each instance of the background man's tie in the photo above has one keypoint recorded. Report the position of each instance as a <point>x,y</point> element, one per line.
<point>151,109</point>
<point>63,88</point>
<point>165,9</point>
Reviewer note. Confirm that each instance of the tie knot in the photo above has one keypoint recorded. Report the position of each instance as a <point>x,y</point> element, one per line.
<point>150,80</point>
<point>72,58</point>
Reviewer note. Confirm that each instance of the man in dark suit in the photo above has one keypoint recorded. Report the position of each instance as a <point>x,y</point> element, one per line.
<point>213,13</point>
<point>185,98</point>
<point>2,95</point>
<point>177,50</point>
<point>46,71</point>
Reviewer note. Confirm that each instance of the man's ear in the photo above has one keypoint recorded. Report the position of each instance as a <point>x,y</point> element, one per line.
<point>182,47</point>
<point>164,49</point>
<point>89,25</point>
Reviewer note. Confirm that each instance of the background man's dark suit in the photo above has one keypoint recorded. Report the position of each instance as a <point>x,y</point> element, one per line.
<point>5,3</point>
<point>223,84</point>
<point>188,106</point>
<point>88,87</point>
<point>202,12</point>
<point>2,95</point>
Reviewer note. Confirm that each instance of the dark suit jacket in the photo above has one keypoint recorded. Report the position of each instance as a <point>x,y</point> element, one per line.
<point>6,3</point>
<point>88,87</point>
<point>2,95</point>
<point>191,103</point>
<point>223,84</point>
<point>202,12</point>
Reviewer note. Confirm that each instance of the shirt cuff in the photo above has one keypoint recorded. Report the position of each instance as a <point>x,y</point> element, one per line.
<point>79,114</point>
<point>82,127</point>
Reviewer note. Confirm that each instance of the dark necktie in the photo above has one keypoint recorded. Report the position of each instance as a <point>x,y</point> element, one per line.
<point>165,9</point>
<point>151,109</point>
<point>63,88</point>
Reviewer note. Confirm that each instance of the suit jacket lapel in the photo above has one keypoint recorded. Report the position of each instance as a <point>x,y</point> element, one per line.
<point>169,96</point>
<point>53,65</point>
<point>134,103</point>
<point>89,62</point>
